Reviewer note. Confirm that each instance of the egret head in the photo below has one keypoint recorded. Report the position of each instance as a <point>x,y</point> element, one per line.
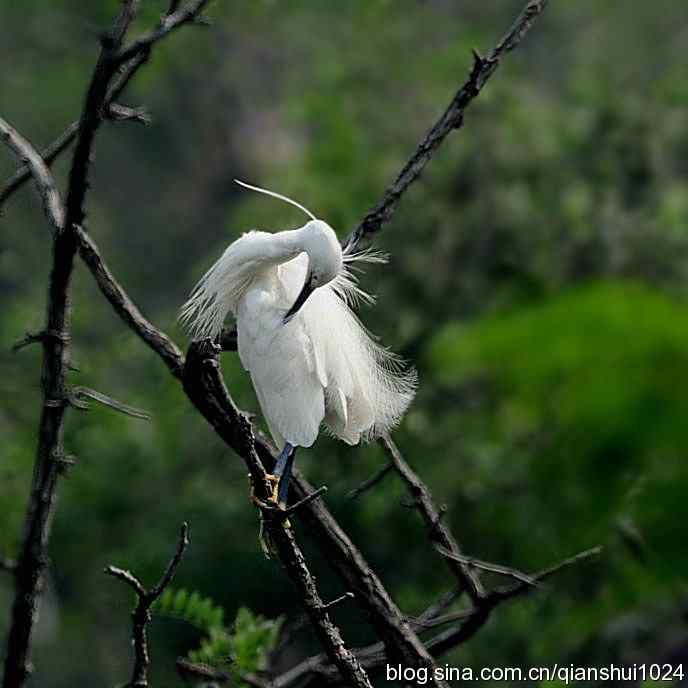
<point>324,251</point>
<point>318,240</point>
<point>325,261</point>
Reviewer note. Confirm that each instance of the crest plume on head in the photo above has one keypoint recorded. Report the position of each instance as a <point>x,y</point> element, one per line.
<point>274,194</point>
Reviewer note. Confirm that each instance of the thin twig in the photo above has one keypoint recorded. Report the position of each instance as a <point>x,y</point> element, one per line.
<point>338,600</point>
<point>525,583</point>
<point>435,609</point>
<point>197,671</point>
<point>168,23</point>
<point>370,482</point>
<point>145,599</point>
<point>125,73</point>
<point>80,392</point>
<point>473,619</point>
<point>438,533</point>
<point>487,566</point>
<point>124,113</point>
<point>508,592</point>
<point>36,337</point>
<point>442,620</point>
<point>316,494</point>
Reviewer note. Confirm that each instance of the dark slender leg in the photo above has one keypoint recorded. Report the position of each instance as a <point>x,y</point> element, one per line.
<point>282,459</point>
<point>285,475</point>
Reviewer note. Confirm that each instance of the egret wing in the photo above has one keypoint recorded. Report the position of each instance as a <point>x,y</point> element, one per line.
<point>282,363</point>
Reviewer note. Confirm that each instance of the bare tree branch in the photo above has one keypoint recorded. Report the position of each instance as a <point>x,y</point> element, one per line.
<point>374,479</point>
<point>196,671</point>
<point>47,189</point>
<point>328,634</point>
<point>344,557</point>
<point>499,569</point>
<point>506,593</point>
<point>23,174</point>
<point>435,609</point>
<point>124,113</point>
<point>205,387</point>
<point>452,118</point>
<point>438,533</point>
<point>375,655</point>
<point>168,23</point>
<point>50,458</point>
<point>81,393</point>
<point>111,110</point>
<point>157,340</point>
<point>145,599</point>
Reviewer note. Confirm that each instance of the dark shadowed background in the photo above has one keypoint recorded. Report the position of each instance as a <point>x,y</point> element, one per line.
<point>537,281</point>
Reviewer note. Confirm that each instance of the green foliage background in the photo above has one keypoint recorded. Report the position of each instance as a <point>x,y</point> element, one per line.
<point>538,282</point>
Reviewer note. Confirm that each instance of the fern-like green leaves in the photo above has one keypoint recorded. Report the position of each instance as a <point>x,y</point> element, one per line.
<point>240,649</point>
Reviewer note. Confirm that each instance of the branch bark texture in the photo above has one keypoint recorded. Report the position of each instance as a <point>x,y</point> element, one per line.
<point>452,118</point>
<point>50,458</point>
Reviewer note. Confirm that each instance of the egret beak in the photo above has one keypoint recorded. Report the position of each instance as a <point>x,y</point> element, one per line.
<point>306,291</point>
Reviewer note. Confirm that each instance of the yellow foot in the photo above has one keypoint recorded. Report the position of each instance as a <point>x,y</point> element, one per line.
<point>272,499</point>
<point>263,505</point>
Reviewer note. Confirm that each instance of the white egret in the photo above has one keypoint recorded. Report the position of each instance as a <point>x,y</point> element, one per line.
<point>310,359</point>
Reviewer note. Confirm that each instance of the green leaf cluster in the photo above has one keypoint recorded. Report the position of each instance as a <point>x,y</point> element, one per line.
<point>242,648</point>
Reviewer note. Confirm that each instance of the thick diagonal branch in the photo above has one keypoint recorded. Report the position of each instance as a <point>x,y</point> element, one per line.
<point>452,118</point>
<point>205,387</point>
<point>122,304</point>
<point>401,641</point>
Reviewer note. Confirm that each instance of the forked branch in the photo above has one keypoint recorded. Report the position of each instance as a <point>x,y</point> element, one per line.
<point>145,599</point>
<point>50,455</point>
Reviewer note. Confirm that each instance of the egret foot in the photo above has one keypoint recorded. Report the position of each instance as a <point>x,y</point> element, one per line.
<point>265,507</point>
<point>274,481</point>
<point>272,502</point>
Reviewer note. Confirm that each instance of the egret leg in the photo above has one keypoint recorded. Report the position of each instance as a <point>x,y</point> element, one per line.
<point>283,469</point>
<point>282,460</point>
